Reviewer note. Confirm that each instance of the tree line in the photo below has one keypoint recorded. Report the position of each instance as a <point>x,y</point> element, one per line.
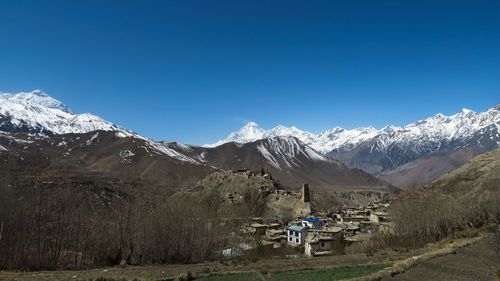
<point>53,227</point>
<point>433,214</point>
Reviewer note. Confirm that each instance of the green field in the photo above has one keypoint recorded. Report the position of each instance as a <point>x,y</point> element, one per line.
<point>231,277</point>
<point>337,273</point>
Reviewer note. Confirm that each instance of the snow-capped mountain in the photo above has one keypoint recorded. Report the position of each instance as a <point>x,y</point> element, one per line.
<point>252,132</point>
<point>38,97</point>
<point>391,152</point>
<point>382,151</point>
<point>37,127</point>
<point>437,136</point>
<point>248,133</point>
<point>323,142</point>
<point>433,130</point>
<point>290,150</point>
<point>37,112</point>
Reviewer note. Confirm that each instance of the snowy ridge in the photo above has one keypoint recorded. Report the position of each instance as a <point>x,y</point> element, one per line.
<point>36,112</point>
<point>290,150</point>
<point>248,133</point>
<point>37,97</point>
<point>164,148</point>
<point>432,131</point>
<point>161,148</point>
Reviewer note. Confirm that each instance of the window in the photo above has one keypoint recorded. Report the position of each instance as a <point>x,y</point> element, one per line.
<point>296,240</point>
<point>290,239</point>
<point>322,244</point>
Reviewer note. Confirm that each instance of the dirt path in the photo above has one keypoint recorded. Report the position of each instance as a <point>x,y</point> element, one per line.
<point>475,262</point>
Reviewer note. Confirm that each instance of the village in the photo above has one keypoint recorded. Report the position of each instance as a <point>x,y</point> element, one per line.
<point>316,233</point>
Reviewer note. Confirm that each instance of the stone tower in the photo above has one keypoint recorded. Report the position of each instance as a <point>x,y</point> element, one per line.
<point>306,197</point>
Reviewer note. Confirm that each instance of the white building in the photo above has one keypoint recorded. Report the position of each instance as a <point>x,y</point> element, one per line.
<point>296,235</point>
<point>315,224</point>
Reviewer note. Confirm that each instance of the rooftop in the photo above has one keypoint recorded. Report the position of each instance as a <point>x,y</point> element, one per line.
<point>313,220</point>
<point>295,228</point>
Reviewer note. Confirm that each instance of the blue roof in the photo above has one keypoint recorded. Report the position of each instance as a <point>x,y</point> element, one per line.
<point>313,220</point>
<point>295,228</point>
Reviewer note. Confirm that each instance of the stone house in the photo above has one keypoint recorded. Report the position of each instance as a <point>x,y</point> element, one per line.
<point>317,244</point>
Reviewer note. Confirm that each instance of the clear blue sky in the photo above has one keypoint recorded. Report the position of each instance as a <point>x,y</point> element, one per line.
<point>193,71</point>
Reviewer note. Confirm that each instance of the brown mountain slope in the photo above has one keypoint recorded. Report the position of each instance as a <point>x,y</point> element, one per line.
<point>429,169</point>
<point>99,158</point>
<point>246,195</point>
<point>466,197</point>
<point>103,157</point>
<point>482,173</point>
<point>292,163</point>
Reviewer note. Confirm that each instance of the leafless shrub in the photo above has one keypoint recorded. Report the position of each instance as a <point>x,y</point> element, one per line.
<point>434,215</point>
<point>51,227</point>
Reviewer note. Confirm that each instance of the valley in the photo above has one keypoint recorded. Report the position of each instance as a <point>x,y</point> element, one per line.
<point>78,192</point>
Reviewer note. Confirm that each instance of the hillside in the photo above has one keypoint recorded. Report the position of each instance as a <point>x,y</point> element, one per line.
<point>97,159</point>
<point>246,194</point>
<point>291,162</point>
<point>481,174</point>
<point>464,198</point>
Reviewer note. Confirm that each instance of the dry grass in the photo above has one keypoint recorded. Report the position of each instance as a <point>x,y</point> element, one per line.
<point>443,249</point>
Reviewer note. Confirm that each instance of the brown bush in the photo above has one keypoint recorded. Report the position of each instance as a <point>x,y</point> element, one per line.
<point>51,227</point>
<point>433,215</point>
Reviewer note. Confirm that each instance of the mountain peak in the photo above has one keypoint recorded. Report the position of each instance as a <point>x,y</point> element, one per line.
<point>39,97</point>
<point>39,93</point>
<point>248,133</point>
<point>465,111</point>
<point>251,124</point>
<point>37,112</point>
<point>250,130</point>
<point>389,128</point>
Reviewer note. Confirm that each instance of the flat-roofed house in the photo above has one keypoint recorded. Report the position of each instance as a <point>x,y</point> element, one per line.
<point>313,223</point>
<point>318,244</point>
<point>296,235</point>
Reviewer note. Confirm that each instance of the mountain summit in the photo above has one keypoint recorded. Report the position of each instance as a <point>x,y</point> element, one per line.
<point>37,112</point>
<point>248,133</point>
<point>38,97</point>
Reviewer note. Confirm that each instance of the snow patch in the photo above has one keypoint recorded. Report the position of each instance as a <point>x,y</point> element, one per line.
<point>161,148</point>
<point>120,134</point>
<point>62,143</point>
<point>268,156</point>
<point>125,156</point>
<point>89,141</point>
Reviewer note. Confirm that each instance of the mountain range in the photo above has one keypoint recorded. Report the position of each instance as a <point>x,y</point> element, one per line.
<point>414,154</point>
<point>403,156</point>
<point>43,138</point>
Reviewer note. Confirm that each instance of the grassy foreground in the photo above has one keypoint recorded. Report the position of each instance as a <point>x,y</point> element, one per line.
<point>337,273</point>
